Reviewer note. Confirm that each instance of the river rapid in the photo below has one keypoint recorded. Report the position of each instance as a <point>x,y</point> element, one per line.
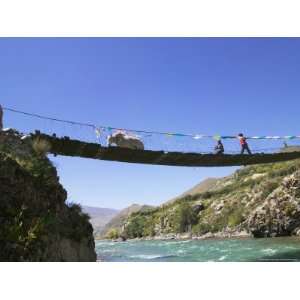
<point>228,250</point>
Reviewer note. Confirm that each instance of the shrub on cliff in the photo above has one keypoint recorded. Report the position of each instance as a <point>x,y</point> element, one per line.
<point>184,218</point>
<point>41,147</point>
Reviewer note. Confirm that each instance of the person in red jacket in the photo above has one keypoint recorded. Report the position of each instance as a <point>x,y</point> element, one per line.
<point>244,144</point>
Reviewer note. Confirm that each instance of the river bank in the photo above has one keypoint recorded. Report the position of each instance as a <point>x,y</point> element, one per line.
<point>209,235</point>
<point>188,236</point>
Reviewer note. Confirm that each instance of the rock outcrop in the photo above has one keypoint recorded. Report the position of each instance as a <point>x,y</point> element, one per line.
<point>36,224</point>
<point>279,214</point>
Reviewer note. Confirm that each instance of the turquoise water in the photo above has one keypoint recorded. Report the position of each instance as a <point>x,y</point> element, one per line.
<point>232,250</point>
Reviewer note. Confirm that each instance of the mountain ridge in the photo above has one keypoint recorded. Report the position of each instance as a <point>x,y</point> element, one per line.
<point>203,186</point>
<point>117,222</point>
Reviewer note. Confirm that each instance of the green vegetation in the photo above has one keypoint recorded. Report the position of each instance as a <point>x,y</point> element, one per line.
<point>135,228</point>
<point>113,234</point>
<point>184,218</point>
<point>149,226</point>
<point>225,206</point>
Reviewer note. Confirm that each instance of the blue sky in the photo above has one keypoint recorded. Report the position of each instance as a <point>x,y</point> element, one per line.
<point>223,86</point>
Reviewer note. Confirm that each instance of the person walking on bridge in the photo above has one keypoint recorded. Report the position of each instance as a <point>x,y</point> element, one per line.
<point>244,144</point>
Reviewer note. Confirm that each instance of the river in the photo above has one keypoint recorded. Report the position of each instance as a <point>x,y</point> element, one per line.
<point>229,250</point>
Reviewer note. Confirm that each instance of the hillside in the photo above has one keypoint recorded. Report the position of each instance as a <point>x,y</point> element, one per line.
<point>259,201</point>
<point>116,223</point>
<point>99,217</point>
<point>202,187</point>
<point>36,223</point>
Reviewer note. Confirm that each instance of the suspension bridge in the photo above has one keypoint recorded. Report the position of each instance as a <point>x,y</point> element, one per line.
<point>76,139</point>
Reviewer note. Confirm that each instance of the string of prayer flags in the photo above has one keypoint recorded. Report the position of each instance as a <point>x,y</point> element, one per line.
<point>98,132</point>
<point>197,137</point>
<point>217,137</point>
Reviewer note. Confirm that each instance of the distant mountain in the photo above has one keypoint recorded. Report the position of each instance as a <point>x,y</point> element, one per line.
<point>95,212</point>
<point>99,217</point>
<point>118,220</point>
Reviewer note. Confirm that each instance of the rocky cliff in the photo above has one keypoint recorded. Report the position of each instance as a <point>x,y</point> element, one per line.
<point>36,223</point>
<point>259,201</point>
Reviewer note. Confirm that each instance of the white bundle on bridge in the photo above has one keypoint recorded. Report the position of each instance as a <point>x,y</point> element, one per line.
<point>123,139</point>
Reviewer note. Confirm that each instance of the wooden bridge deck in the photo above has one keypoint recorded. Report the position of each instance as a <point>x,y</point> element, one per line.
<point>68,147</point>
